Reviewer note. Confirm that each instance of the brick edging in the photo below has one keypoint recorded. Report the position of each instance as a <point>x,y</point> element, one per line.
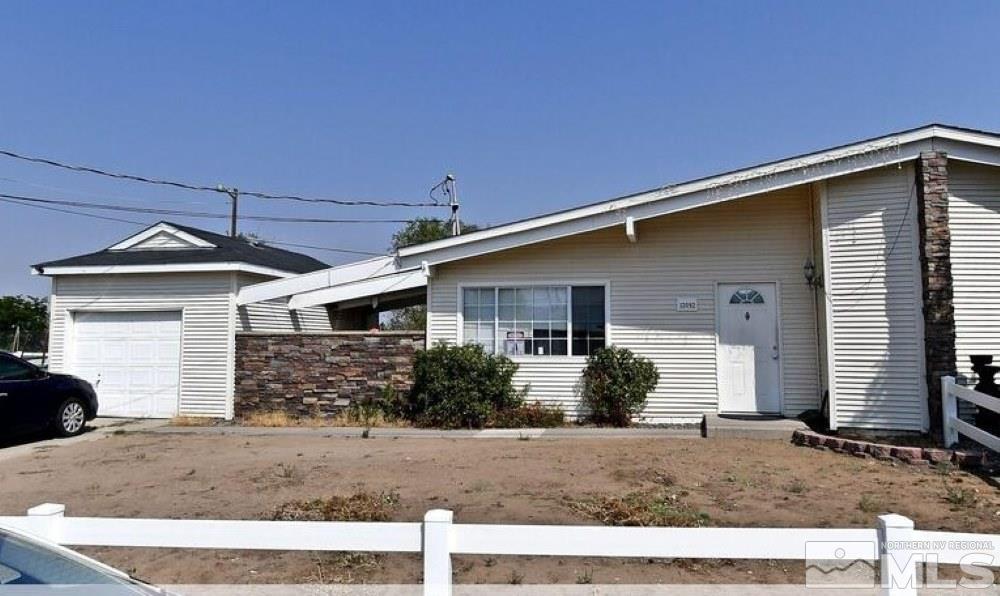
<point>908,455</point>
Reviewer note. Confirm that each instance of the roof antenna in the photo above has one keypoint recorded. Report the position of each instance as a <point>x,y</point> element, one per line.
<point>451,190</point>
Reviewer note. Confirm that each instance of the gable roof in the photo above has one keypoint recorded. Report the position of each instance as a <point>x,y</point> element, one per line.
<point>195,249</point>
<point>162,235</point>
<point>959,143</point>
<point>372,277</point>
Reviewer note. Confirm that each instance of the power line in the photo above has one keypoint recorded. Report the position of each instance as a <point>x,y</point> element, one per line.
<point>362,203</point>
<point>202,188</point>
<point>71,212</point>
<point>143,223</point>
<point>181,213</point>
<point>99,195</point>
<point>327,248</point>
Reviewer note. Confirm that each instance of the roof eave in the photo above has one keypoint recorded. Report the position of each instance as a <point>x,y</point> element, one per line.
<point>318,280</point>
<point>847,159</point>
<point>58,270</point>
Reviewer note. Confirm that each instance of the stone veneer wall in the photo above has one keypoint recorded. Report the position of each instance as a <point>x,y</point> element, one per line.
<point>320,373</point>
<point>935,262</point>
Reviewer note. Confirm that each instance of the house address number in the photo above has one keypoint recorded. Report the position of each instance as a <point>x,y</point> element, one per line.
<point>687,305</point>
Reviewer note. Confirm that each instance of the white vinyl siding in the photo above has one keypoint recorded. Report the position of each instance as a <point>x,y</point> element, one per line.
<point>761,239</point>
<point>273,315</point>
<point>974,214</point>
<point>873,288</point>
<point>205,300</point>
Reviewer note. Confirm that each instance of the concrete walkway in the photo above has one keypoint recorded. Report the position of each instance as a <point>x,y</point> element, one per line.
<point>751,427</point>
<point>692,432</point>
<point>96,429</point>
<point>714,427</point>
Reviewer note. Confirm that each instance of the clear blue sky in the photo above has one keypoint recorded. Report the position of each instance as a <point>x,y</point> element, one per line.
<point>535,106</point>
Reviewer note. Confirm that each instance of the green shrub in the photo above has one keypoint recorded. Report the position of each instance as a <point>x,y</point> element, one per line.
<point>533,415</point>
<point>460,387</point>
<point>388,405</point>
<point>391,403</point>
<point>615,385</point>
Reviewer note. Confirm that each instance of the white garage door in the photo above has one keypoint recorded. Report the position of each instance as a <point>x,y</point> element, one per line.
<point>132,358</point>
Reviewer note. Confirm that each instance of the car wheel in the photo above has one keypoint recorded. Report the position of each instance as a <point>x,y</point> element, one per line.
<point>70,417</point>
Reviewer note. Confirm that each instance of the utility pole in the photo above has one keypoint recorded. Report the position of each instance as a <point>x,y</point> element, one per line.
<point>452,190</point>
<point>234,199</point>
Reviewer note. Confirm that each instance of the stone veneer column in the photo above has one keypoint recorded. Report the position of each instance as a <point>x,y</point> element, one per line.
<point>935,269</point>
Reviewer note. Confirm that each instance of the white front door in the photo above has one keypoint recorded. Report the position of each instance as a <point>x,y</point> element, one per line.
<point>132,359</point>
<point>748,356</point>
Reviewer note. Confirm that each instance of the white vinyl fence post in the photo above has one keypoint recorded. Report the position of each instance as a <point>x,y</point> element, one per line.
<point>897,566</point>
<point>949,410</point>
<point>437,552</point>
<point>51,527</point>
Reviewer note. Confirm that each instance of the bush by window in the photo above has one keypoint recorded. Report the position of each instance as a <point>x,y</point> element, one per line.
<point>460,387</point>
<point>615,385</point>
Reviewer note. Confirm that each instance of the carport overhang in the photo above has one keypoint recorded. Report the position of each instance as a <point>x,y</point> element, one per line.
<point>383,289</point>
<point>373,284</point>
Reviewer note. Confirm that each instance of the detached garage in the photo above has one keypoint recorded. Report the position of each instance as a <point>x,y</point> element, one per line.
<point>151,320</point>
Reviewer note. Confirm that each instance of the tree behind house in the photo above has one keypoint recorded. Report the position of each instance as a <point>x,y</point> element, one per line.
<point>31,316</point>
<point>418,231</point>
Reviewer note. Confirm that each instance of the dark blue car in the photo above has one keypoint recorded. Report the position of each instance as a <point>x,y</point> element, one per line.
<point>32,399</point>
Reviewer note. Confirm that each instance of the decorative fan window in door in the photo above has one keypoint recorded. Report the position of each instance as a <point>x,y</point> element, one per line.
<point>746,296</point>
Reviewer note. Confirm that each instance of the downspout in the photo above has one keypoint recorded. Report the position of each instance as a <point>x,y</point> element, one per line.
<point>816,288</point>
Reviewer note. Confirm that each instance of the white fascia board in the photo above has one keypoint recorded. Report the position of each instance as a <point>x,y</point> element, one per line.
<point>965,136</point>
<point>176,268</point>
<point>361,289</point>
<point>317,280</point>
<point>970,152</point>
<point>670,199</point>
<point>156,229</point>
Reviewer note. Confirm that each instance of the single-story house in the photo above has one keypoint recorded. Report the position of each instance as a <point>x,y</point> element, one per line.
<point>151,320</point>
<point>849,279</point>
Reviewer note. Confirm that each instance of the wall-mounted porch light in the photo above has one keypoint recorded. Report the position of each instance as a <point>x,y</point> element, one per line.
<point>809,272</point>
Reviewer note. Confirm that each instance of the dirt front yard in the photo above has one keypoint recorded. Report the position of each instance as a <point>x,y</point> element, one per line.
<point>561,481</point>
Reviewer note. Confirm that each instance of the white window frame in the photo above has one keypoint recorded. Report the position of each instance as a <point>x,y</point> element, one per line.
<point>534,283</point>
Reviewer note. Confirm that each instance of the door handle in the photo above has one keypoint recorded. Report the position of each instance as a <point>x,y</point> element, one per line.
<point>776,354</point>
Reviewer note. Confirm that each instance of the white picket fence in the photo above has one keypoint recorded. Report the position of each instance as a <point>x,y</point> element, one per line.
<point>951,392</point>
<point>892,544</point>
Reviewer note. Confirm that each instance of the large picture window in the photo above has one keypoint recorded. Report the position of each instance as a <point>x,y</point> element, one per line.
<point>535,320</point>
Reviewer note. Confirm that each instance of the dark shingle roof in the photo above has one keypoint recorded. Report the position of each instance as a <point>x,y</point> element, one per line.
<point>227,250</point>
